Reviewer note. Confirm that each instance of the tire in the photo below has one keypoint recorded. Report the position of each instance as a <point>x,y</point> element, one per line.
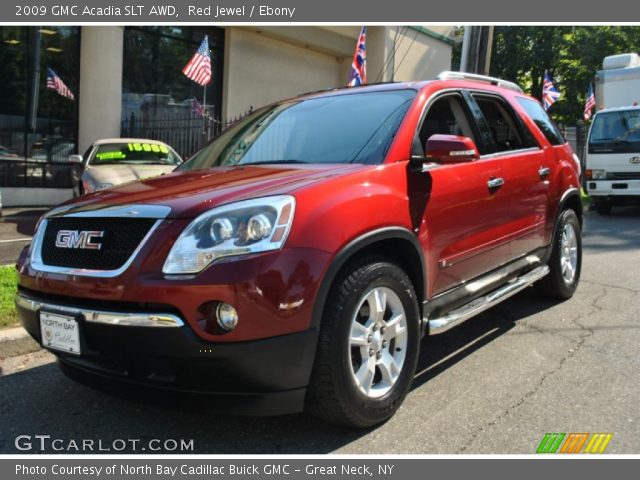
<point>603,208</point>
<point>565,263</point>
<point>363,372</point>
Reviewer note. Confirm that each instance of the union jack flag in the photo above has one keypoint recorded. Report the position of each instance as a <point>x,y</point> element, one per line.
<point>590,103</point>
<point>550,94</point>
<point>197,108</point>
<point>359,64</point>
<point>54,82</point>
<point>199,67</point>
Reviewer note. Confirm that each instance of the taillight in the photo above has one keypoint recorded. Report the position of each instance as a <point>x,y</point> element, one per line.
<point>588,174</point>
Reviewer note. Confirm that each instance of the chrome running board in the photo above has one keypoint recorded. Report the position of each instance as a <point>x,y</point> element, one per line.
<point>479,305</point>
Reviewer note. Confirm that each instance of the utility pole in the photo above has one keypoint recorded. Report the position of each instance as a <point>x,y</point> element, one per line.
<point>476,49</point>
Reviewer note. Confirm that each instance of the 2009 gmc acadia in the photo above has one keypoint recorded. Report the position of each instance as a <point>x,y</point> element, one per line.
<point>296,260</point>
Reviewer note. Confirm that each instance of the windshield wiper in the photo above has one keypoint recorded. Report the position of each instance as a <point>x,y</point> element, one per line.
<point>628,132</point>
<point>270,162</point>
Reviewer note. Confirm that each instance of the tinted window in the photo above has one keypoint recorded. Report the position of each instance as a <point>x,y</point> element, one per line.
<point>446,116</point>
<point>505,131</point>
<point>542,120</point>
<point>615,132</point>
<point>353,128</point>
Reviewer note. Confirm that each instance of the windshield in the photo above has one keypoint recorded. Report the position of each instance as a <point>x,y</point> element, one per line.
<point>355,128</point>
<point>615,132</point>
<point>136,153</point>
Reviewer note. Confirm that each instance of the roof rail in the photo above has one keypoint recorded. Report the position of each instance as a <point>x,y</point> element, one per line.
<point>479,78</point>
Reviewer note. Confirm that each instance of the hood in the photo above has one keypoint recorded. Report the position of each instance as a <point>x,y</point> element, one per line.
<point>191,193</point>
<point>117,174</point>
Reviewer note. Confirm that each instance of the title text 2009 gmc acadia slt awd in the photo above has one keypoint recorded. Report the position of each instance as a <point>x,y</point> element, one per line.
<point>297,259</point>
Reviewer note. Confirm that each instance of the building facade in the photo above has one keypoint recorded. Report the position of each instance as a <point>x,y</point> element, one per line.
<point>128,81</point>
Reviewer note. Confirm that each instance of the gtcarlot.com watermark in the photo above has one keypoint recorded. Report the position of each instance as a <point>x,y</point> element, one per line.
<point>47,443</point>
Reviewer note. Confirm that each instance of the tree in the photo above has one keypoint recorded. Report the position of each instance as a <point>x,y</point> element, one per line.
<point>573,55</point>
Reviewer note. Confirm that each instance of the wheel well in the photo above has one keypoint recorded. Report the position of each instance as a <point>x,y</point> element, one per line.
<point>574,202</point>
<point>402,253</point>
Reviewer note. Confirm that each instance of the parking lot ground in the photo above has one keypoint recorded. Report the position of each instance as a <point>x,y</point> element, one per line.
<point>496,384</point>
<point>16,229</point>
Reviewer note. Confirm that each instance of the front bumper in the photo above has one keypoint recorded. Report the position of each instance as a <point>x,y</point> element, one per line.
<point>267,376</point>
<point>613,188</point>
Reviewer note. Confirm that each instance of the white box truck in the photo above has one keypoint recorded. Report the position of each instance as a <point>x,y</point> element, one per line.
<point>612,166</point>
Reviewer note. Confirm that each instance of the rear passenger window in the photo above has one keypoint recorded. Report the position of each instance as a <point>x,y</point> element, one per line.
<point>506,131</point>
<point>542,120</point>
<point>446,116</point>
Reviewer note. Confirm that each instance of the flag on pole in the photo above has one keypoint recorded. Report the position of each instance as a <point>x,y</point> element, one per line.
<point>197,108</point>
<point>359,64</point>
<point>590,103</point>
<point>54,82</point>
<point>550,94</point>
<point>199,67</point>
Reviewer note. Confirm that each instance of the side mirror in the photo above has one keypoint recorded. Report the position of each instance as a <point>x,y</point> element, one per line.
<point>75,159</point>
<point>448,149</point>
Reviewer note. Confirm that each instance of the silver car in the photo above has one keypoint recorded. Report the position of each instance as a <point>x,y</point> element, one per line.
<point>113,161</point>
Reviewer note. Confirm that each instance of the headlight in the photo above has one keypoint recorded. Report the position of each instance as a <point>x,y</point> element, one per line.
<point>103,186</point>
<point>599,174</point>
<point>250,226</point>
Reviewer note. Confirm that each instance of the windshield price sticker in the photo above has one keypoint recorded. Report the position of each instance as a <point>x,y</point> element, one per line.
<point>117,155</point>
<point>147,147</point>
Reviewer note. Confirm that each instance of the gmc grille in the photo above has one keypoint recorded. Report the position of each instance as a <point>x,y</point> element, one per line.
<point>121,238</point>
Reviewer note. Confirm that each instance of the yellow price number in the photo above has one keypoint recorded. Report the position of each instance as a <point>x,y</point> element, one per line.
<point>147,147</point>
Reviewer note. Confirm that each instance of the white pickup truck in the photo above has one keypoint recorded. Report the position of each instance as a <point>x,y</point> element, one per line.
<point>613,148</point>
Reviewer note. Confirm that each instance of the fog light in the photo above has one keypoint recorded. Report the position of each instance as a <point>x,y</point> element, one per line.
<point>227,316</point>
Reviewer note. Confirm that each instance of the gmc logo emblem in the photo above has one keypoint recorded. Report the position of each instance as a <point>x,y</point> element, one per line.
<point>85,239</point>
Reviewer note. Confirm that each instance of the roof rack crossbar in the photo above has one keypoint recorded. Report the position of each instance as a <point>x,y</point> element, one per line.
<point>448,75</point>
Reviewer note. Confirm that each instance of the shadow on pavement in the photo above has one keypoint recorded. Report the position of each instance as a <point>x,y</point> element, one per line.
<point>43,401</point>
<point>24,220</point>
<point>618,230</point>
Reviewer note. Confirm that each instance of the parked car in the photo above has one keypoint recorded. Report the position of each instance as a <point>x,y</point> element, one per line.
<point>113,161</point>
<point>297,260</point>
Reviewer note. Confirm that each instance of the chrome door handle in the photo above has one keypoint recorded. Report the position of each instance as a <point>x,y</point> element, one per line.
<point>494,183</point>
<point>544,172</point>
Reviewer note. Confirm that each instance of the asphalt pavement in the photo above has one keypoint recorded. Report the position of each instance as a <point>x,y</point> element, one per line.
<point>16,229</point>
<point>496,384</point>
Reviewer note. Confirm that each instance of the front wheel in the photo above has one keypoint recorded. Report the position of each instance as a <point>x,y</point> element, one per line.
<point>368,346</point>
<point>566,259</point>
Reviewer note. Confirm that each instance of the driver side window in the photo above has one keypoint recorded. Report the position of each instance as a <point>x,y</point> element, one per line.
<point>446,116</point>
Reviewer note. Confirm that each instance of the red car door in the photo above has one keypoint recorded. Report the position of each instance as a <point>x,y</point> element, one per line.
<point>464,215</point>
<point>526,167</point>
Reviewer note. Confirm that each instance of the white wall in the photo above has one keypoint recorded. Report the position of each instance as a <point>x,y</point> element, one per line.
<point>281,62</point>
<point>259,70</point>
<point>418,56</point>
<point>100,84</point>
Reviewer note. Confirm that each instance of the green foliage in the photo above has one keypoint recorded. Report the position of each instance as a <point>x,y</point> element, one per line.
<point>573,55</point>
<point>8,287</point>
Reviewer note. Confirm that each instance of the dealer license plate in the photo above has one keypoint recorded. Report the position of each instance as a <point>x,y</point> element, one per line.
<point>60,332</point>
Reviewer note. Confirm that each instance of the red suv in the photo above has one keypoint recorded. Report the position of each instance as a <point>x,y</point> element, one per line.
<point>297,260</point>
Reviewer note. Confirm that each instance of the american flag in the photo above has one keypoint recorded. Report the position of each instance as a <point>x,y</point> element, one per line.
<point>590,103</point>
<point>359,64</point>
<point>54,82</point>
<point>550,94</point>
<point>199,67</point>
<point>197,108</point>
